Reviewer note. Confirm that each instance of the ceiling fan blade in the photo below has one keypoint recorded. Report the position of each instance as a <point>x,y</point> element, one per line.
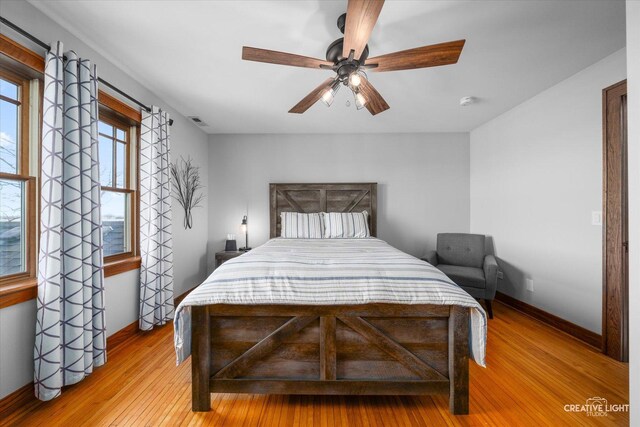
<point>375,102</point>
<point>312,98</point>
<point>361,18</point>
<point>282,58</point>
<point>419,57</point>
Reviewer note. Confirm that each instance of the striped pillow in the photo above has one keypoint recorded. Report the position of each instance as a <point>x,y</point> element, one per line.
<point>296,225</point>
<point>346,225</point>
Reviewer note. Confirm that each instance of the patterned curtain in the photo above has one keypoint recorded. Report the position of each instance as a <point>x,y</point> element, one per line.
<point>70,324</point>
<point>156,273</point>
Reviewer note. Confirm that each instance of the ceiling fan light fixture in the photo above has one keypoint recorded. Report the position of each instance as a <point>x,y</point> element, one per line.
<point>327,98</point>
<point>361,101</point>
<point>330,93</point>
<point>355,79</point>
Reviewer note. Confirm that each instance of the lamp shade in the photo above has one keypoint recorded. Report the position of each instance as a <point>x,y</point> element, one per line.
<point>330,94</point>
<point>361,101</point>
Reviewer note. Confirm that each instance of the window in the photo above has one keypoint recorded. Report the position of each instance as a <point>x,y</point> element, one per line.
<point>21,73</point>
<point>118,193</point>
<point>17,186</point>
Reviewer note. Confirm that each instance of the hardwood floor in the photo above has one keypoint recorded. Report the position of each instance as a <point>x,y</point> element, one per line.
<point>532,372</point>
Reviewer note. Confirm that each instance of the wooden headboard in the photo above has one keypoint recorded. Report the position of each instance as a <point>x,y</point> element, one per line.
<point>309,198</point>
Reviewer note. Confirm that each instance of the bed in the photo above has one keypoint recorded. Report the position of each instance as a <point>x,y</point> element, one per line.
<point>329,316</point>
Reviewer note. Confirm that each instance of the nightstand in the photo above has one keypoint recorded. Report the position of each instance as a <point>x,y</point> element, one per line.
<point>223,256</point>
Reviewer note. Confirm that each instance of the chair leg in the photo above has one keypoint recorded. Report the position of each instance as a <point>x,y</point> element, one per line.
<point>487,304</point>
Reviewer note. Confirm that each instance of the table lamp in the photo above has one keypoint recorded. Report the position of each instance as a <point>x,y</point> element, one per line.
<point>244,228</point>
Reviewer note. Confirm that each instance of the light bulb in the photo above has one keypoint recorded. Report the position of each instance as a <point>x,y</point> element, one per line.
<point>330,93</point>
<point>355,79</point>
<point>327,98</point>
<point>361,101</point>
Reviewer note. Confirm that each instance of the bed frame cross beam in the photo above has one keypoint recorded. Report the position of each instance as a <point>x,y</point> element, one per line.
<point>264,347</point>
<point>392,348</point>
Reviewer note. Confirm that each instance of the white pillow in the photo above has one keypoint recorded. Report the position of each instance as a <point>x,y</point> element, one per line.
<point>346,225</point>
<point>296,225</point>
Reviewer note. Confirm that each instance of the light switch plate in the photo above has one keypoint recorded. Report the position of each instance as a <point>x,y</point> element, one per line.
<point>596,218</point>
<point>500,275</point>
<point>529,285</point>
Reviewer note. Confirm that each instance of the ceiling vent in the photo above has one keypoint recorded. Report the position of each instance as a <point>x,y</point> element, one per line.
<point>197,121</point>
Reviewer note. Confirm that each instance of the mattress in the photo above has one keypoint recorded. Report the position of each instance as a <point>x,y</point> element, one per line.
<point>328,272</point>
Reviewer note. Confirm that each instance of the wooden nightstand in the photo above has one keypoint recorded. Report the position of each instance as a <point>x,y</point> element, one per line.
<point>223,256</point>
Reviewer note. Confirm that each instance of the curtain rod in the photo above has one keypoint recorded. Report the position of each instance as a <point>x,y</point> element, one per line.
<point>44,45</point>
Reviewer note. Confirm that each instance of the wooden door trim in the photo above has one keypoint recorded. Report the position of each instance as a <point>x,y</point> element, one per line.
<point>610,245</point>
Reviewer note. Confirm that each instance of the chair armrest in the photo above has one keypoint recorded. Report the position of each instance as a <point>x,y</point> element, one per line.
<point>431,258</point>
<point>490,268</point>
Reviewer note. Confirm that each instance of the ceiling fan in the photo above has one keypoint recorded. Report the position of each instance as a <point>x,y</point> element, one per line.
<point>348,57</point>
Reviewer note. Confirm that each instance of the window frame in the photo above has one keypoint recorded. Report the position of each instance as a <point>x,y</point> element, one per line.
<point>15,282</point>
<point>131,131</point>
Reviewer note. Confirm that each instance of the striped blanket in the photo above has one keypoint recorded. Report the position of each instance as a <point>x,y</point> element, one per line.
<point>328,272</point>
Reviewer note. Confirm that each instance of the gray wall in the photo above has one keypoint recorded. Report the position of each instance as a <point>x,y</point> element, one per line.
<point>536,177</point>
<point>17,323</point>
<point>423,181</point>
<point>633,112</point>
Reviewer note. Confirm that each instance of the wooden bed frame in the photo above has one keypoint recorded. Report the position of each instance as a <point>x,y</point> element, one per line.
<point>367,349</point>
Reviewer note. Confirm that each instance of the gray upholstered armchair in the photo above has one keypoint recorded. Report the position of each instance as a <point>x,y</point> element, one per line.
<point>462,257</point>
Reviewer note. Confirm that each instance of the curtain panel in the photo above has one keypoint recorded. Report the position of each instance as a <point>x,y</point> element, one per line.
<point>156,272</point>
<point>70,324</point>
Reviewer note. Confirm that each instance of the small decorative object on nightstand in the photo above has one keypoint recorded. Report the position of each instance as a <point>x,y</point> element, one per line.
<point>230,244</point>
<point>223,256</point>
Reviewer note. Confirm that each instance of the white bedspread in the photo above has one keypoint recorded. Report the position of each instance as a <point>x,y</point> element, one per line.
<point>328,272</point>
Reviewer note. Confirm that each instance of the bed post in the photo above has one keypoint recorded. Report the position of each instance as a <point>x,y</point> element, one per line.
<point>200,359</point>
<point>459,360</point>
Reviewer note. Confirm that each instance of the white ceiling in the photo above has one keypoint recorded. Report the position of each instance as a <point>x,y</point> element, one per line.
<point>188,52</point>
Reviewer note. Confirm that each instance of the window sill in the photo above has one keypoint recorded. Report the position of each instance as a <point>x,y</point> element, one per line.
<point>27,289</point>
<point>120,266</point>
<point>18,292</point>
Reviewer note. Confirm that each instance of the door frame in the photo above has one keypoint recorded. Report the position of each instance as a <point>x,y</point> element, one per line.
<point>615,239</point>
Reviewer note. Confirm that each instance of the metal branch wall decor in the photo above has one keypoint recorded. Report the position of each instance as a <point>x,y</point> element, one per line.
<point>186,183</point>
